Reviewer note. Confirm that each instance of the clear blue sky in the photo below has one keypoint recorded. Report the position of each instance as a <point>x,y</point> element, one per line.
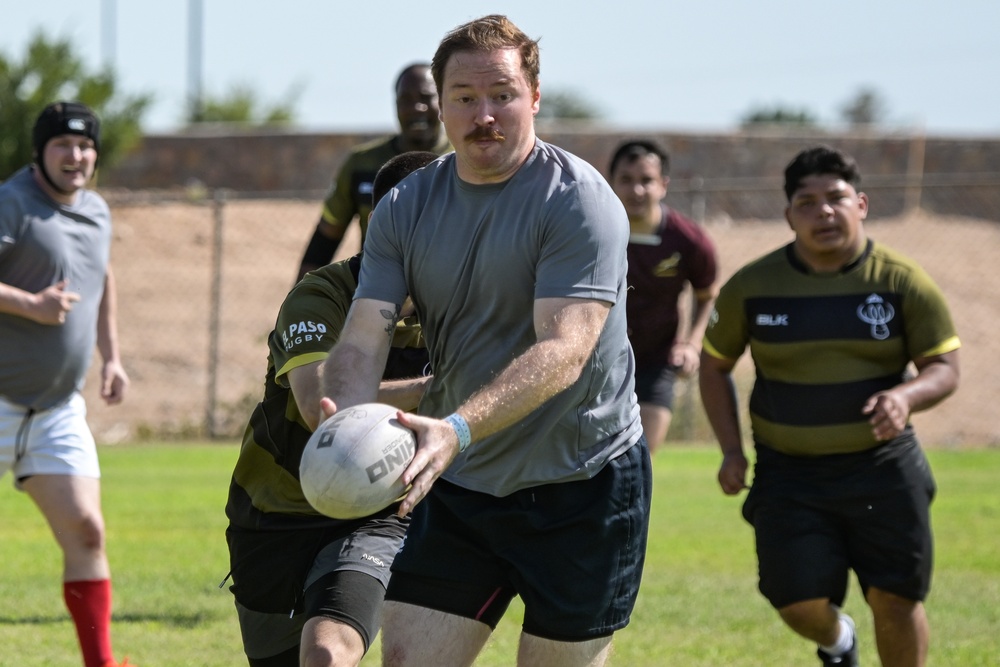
<point>694,66</point>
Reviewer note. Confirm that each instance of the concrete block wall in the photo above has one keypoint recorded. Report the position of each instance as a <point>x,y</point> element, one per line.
<point>270,161</point>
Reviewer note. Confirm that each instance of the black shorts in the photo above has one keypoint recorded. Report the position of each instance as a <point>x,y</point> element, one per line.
<point>655,384</point>
<point>817,518</point>
<point>573,551</point>
<point>283,578</point>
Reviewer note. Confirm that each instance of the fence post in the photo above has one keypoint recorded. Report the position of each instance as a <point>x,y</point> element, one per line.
<point>914,173</point>
<point>215,311</point>
<point>698,204</point>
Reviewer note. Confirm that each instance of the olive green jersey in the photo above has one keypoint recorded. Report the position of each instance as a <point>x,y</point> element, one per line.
<point>822,344</point>
<point>351,193</point>
<point>265,492</point>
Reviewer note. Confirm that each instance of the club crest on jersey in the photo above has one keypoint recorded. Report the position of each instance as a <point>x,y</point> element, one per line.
<point>667,268</point>
<point>877,313</point>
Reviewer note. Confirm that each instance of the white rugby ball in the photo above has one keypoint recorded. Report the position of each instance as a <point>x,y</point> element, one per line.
<point>352,464</point>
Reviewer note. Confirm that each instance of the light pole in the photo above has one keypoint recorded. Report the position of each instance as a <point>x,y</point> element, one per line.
<point>195,38</point>
<point>109,33</point>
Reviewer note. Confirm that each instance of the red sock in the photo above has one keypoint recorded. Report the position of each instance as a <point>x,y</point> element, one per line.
<point>89,603</point>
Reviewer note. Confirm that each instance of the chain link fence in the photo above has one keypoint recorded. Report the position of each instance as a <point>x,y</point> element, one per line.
<point>201,275</point>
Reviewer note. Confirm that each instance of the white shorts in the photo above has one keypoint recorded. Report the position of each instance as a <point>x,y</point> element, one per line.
<point>48,442</point>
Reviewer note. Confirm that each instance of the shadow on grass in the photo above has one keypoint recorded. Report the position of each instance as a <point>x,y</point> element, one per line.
<point>176,620</point>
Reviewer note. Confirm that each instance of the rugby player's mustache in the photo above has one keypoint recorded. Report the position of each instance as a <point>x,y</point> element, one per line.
<point>485,133</point>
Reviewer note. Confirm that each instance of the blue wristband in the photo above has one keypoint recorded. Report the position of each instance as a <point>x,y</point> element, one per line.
<point>461,430</point>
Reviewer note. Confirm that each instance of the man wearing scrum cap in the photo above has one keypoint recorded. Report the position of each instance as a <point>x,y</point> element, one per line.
<point>57,300</point>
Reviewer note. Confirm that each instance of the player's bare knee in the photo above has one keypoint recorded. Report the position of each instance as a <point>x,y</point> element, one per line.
<point>89,532</point>
<point>330,655</point>
<point>889,606</point>
<point>807,616</point>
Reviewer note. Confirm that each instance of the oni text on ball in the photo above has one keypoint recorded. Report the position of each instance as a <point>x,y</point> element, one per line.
<point>398,453</point>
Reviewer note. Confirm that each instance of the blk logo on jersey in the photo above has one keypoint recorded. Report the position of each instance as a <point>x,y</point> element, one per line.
<point>768,320</point>
<point>876,313</point>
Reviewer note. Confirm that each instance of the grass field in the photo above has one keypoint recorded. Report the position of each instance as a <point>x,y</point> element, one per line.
<point>698,606</point>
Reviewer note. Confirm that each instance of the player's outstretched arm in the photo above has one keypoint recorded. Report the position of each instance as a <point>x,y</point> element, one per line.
<point>321,248</point>
<point>304,383</point>
<point>403,394</point>
<point>936,379</point>
<point>48,306</point>
<point>718,395</point>
<point>685,354</point>
<point>114,380</point>
<point>351,374</point>
<point>566,331</point>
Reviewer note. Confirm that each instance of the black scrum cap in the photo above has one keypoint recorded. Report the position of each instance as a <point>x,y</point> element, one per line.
<point>65,118</point>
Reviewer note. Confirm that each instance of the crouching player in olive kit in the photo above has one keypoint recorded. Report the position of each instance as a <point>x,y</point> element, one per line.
<point>307,587</point>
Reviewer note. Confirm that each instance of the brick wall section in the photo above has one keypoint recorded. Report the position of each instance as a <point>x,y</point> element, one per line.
<point>262,161</point>
<point>245,162</point>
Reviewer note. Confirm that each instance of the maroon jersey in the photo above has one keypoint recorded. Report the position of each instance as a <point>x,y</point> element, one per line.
<point>658,266</point>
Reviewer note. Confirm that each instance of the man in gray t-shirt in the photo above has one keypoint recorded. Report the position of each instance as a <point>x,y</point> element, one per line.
<point>514,254</point>
<point>476,284</point>
<point>57,300</point>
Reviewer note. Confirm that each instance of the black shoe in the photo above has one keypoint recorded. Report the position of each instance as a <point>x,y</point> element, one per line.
<point>849,659</point>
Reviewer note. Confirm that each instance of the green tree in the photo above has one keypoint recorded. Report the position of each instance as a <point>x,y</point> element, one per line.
<point>864,109</point>
<point>242,106</point>
<point>51,71</point>
<point>778,115</point>
<point>567,105</point>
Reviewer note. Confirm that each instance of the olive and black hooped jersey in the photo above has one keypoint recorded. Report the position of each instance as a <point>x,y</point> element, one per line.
<point>265,493</point>
<point>822,344</point>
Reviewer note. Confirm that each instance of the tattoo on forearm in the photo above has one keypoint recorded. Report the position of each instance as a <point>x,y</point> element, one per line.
<point>392,316</point>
